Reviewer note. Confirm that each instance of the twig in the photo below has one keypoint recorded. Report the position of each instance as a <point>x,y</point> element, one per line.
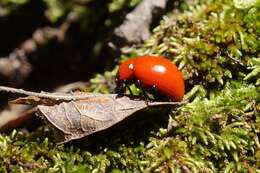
<point>136,27</point>
<point>69,97</point>
<point>235,60</point>
<point>46,95</point>
<point>151,104</point>
<point>16,67</point>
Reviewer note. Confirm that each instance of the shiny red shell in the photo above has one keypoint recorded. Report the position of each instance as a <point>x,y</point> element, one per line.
<point>126,70</point>
<point>153,71</point>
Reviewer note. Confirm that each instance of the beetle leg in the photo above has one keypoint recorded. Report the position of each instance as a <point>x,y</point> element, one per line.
<point>120,88</point>
<point>138,83</point>
<point>154,88</point>
<point>158,95</point>
<point>145,95</point>
<point>129,89</point>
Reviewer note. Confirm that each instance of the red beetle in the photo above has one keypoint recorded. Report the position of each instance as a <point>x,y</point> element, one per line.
<point>153,72</point>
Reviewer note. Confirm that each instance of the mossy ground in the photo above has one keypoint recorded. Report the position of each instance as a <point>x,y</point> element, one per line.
<point>216,45</point>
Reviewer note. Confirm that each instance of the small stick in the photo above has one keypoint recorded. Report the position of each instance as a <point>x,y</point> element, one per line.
<point>55,96</point>
<point>151,104</point>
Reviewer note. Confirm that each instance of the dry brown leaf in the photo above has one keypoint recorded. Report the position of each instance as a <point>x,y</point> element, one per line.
<point>80,114</point>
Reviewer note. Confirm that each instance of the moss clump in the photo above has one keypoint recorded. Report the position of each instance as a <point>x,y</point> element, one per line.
<point>219,134</point>
<point>211,41</point>
<point>59,9</point>
<point>10,6</point>
<point>103,83</point>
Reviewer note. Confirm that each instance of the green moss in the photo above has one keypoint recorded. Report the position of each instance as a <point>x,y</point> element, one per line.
<point>224,127</point>
<point>117,5</point>
<point>211,42</point>
<point>58,10</point>
<point>219,134</point>
<point>10,6</point>
<point>103,83</point>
